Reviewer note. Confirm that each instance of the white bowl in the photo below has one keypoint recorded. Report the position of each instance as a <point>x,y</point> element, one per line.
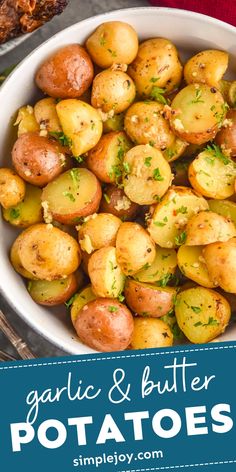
<point>191,32</point>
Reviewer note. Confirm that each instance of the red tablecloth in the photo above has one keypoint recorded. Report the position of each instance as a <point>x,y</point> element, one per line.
<point>224,10</point>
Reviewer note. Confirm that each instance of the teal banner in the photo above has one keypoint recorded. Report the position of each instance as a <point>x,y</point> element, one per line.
<point>133,411</point>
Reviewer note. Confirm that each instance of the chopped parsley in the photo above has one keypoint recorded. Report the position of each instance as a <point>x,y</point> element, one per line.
<point>108,200</point>
<point>182,210</point>
<point>216,153</point>
<point>157,94</point>
<point>157,175</point>
<point>196,309</point>
<point>102,41</point>
<point>211,322</point>
<point>14,213</point>
<point>126,167</point>
<point>121,297</point>
<point>61,137</point>
<point>147,161</point>
<point>69,302</point>
<point>79,159</point>
<point>198,95</point>
<point>181,238</point>
<point>154,79</point>
<point>164,280</point>
<point>69,195</point>
<point>113,53</point>
<point>112,309</point>
<point>74,173</point>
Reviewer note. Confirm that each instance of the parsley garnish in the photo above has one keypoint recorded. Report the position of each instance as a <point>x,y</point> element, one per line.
<point>126,167</point>
<point>147,161</point>
<point>74,173</point>
<point>113,53</point>
<point>108,200</point>
<point>112,308</point>
<point>61,137</point>
<point>211,322</point>
<point>14,213</point>
<point>181,238</point>
<point>157,94</point>
<point>216,153</point>
<point>157,175</point>
<point>164,280</point>
<point>69,195</point>
<point>154,79</point>
<point>196,309</point>
<point>79,159</point>
<point>198,95</point>
<point>182,210</point>
<point>71,300</point>
<point>121,297</point>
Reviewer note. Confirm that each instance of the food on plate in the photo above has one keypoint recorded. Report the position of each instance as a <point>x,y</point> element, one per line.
<point>161,270</point>
<point>208,227</point>
<point>220,261</point>
<point>151,333</point>
<point>149,300</point>
<point>113,91</point>
<point>52,292</point>
<point>225,208</point>
<point>98,231</point>
<point>226,137</point>
<point>46,115</point>
<point>26,121</point>
<point>193,266</point>
<point>83,297</point>
<point>206,67</point>
<point>29,211</point>
<point>12,188</point>
<point>105,273</point>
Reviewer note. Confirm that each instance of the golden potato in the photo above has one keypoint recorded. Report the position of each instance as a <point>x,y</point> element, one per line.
<point>206,67</point>
<point>149,300</point>
<point>156,67</point>
<point>150,333</point>
<point>225,208</point>
<point>81,123</point>
<point>208,227</point>
<point>115,201</point>
<point>85,296</point>
<point>67,73</point>
<point>161,269</point>
<point>26,121</point>
<point>28,212</point>
<point>15,258</point>
<point>220,260</point>
<point>46,115</point>
<point>168,221</point>
<point>105,273</point>
<point>198,112</point>
<point>113,42</point>
<point>48,253</point>
<point>212,173</point>
<point>53,292</point>
<point>175,150</point>
<point>226,137</point>
<point>98,231</point>
<point>113,90</point>
<point>192,265</point>
<point>114,123</point>
<point>12,188</point>
<point>147,175</point>
<point>202,314</point>
<point>232,93</point>
<point>134,248</point>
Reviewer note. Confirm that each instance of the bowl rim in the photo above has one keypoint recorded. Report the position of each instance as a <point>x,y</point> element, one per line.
<point>56,341</point>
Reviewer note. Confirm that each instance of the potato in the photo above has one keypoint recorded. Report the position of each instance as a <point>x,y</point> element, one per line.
<point>15,258</point>
<point>113,90</point>
<point>149,300</point>
<point>26,121</point>
<point>208,227</point>
<point>131,256</point>
<point>98,231</point>
<point>105,160</point>
<point>74,194</point>
<point>220,260</point>
<point>202,314</point>
<point>175,150</point>
<point>225,208</point>
<point>232,93</point>
<point>226,137</point>
<point>198,112</point>
<point>53,292</point>
<point>170,216</point>
<point>85,296</point>
<point>12,188</point>
<point>156,66</point>
<point>192,265</point>
<point>206,67</point>
<point>48,253</point>
<point>105,325</point>
<point>115,123</point>
<point>161,269</point>
<point>147,175</point>
<point>67,73</point>
<point>81,123</point>
<point>46,115</point>
<point>105,273</point>
<point>28,212</point>
<point>115,201</point>
<point>113,41</point>
<point>150,333</point>
<point>37,159</point>
<point>212,173</point>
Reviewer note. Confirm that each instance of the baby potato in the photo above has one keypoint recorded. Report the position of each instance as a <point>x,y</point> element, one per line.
<point>232,93</point>
<point>115,123</point>
<point>226,137</point>
<point>113,42</point>
<point>98,231</point>
<point>198,112</point>
<point>150,333</point>
<point>48,253</point>
<point>26,121</point>
<point>74,194</point>
<point>28,212</point>
<point>206,67</point>
<point>161,269</point>
<point>115,201</point>
<point>105,273</point>
<point>105,160</point>
<point>131,256</point>
<point>175,150</point>
<point>156,66</point>
<point>225,208</point>
<point>53,292</point>
<point>149,300</point>
<point>202,314</point>
<point>168,221</point>
<point>220,260</point>
<point>113,90</point>
<point>46,115</point>
<point>208,227</point>
<point>85,296</point>
<point>192,265</point>
<point>212,173</point>
<point>67,73</point>
<point>105,325</point>
<point>15,258</point>
<point>37,159</point>
<point>81,123</point>
<point>12,188</point>
<point>147,175</point>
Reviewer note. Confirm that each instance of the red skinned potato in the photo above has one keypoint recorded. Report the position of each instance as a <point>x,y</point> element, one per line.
<point>115,201</point>
<point>105,325</point>
<point>37,159</point>
<point>149,300</point>
<point>68,73</point>
<point>227,135</point>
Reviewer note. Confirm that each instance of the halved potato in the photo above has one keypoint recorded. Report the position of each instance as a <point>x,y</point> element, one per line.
<point>26,120</point>
<point>208,227</point>
<point>54,292</point>
<point>226,137</point>
<point>220,260</point>
<point>98,231</point>
<point>212,173</point>
<point>150,333</point>
<point>46,115</point>
<point>202,314</point>
<point>115,201</point>
<point>15,258</point>
<point>175,150</point>
<point>85,296</point>
<point>147,175</point>
<point>206,67</point>
<point>28,212</point>
<point>149,300</point>
<point>170,216</point>
<point>192,265</point>
<point>105,273</point>
<point>161,269</point>
<point>224,207</point>
<point>232,93</point>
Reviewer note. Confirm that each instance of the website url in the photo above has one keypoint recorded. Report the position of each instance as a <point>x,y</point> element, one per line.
<point>116,458</point>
